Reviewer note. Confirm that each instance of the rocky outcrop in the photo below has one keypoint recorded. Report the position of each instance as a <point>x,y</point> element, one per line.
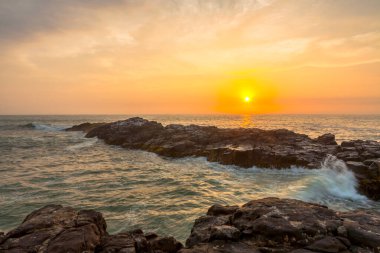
<point>283,225</point>
<point>265,225</point>
<point>242,147</point>
<point>56,229</point>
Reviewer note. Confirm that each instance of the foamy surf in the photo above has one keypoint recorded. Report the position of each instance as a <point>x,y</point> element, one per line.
<point>43,127</point>
<point>333,179</point>
<point>333,184</point>
<point>85,144</point>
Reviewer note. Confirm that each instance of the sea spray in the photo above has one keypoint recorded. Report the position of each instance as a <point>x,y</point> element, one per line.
<point>42,127</point>
<point>333,181</point>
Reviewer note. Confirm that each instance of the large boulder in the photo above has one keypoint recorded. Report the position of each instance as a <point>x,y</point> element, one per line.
<point>284,225</point>
<point>55,228</point>
<point>136,241</point>
<point>327,139</point>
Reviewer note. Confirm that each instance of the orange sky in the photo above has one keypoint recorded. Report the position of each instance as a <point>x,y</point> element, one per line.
<point>173,56</point>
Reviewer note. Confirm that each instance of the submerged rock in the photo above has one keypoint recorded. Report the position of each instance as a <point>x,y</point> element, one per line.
<point>264,225</point>
<point>243,147</point>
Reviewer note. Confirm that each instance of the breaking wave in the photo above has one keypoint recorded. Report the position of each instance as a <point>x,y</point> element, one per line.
<point>43,127</point>
<point>332,180</point>
<point>87,143</point>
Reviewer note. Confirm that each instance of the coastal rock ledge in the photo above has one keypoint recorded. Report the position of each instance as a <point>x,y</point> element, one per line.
<point>264,225</point>
<point>244,147</point>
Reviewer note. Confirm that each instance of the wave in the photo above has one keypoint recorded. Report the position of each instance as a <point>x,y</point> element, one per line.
<point>87,143</point>
<point>43,127</point>
<point>333,184</point>
<point>333,180</point>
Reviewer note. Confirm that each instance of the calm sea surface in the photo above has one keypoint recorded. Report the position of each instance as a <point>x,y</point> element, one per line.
<point>40,164</point>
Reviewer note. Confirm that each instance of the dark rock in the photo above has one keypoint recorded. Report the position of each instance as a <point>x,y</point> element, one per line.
<point>265,225</point>
<point>222,247</point>
<point>327,139</point>
<point>375,168</point>
<point>56,229</point>
<point>363,228</point>
<point>285,225</point>
<point>370,187</point>
<point>224,232</point>
<point>217,210</point>
<point>165,244</point>
<point>201,231</point>
<point>243,147</point>
<point>361,170</point>
<point>85,127</point>
<point>123,242</point>
<point>328,244</point>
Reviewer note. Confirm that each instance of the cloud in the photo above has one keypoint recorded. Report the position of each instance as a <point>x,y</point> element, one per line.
<point>20,19</point>
<point>131,43</point>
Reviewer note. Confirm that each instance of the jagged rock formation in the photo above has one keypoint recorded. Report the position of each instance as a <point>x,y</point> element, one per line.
<point>265,225</point>
<point>243,147</point>
<point>58,229</point>
<point>283,225</point>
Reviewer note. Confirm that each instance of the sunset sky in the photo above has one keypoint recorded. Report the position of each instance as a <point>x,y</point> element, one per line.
<point>189,56</point>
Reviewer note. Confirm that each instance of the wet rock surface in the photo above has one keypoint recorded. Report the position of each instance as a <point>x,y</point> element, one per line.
<point>243,147</point>
<point>264,225</point>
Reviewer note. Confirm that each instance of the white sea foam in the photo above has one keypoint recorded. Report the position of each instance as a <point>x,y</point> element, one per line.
<point>45,127</point>
<point>332,184</point>
<point>85,144</point>
<point>333,180</point>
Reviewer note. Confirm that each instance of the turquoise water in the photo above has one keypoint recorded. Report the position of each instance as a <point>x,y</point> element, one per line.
<point>40,164</point>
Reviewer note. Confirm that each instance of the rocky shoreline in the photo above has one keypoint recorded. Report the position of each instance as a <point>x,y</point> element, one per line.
<point>243,147</point>
<point>264,225</point>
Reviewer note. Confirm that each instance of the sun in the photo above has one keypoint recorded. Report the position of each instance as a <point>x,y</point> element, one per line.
<point>247,99</point>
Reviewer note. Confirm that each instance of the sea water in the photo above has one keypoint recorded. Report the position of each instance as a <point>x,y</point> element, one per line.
<point>41,164</point>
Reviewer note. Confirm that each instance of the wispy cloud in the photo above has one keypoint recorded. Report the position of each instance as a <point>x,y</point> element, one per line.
<point>121,44</point>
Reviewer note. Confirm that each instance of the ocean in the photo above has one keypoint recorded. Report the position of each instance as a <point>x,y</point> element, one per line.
<point>41,164</point>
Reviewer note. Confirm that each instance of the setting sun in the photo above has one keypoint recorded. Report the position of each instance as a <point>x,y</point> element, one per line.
<point>247,99</point>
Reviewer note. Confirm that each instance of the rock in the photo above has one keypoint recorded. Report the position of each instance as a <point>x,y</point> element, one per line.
<point>328,244</point>
<point>327,139</point>
<point>363,228</point>
<point>264,225</point>
<point>123,242</point>
<point>56,229</point>
<point>222,247</point>
<point>244,147</point>
<point>361,170</point>
<point>284,225</point>
<point>224,232</point>
<point>85,127</point>
<point>370,188</point>
<point>201,231</point>
<point>375,168</point>
<point>217,210</point>
<point>165,244</point>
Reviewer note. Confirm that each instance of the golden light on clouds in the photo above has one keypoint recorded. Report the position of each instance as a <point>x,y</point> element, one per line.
<point>170,56</point>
